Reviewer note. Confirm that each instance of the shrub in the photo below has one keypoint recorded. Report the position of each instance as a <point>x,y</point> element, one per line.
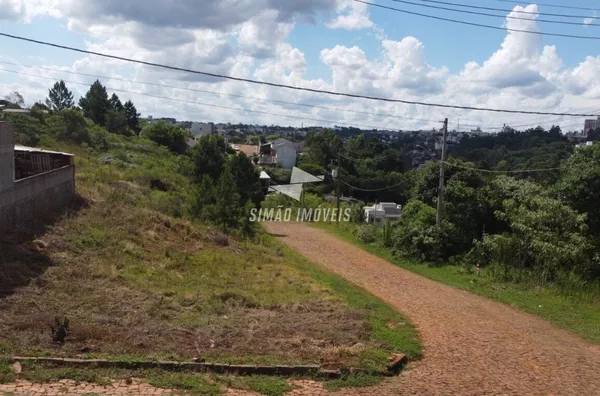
<point>366,233</point>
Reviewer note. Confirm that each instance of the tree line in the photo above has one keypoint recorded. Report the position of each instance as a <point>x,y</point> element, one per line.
<point>532,226</point>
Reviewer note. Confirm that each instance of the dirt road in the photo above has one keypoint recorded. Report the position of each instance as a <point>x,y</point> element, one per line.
<point>472,345</point>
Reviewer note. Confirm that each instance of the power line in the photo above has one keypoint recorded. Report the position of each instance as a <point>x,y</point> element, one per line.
<point>478,24</point>
<point>213,105</point>
<point>508,11</point>
<point>221,94</point>
<point>368,159</point>
<point>266,100</point>
<point>550,5</point>
<point>496,15</point>
<point>372,190</point>
<point>291,86</point>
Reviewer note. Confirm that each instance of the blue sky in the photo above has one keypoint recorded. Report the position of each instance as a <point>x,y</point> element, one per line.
<point>328,44</point>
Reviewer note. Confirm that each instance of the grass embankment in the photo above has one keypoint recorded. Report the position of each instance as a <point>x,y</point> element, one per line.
<point>138,284</point>
<point>578,314</point>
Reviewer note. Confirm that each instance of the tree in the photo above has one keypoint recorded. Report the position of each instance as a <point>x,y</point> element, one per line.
<point>546,236</point>
<point>95,103</point>
<point>14,100</point>
<point>247,179</point>
<point>202,205</point>
<point>579,184</point>
<point>209,156</point>
<point>228,210</point>
<point>132,116</point>
<point>69,125</point>
<point>171,136</point>
<point>115,103</point>
<point>116,122</point>
<point>59,97</point>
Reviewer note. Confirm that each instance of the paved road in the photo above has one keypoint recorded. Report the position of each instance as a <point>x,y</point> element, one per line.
<point>472,345</point>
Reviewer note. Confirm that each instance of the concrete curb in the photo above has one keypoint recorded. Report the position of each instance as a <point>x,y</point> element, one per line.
<point>240,369</point>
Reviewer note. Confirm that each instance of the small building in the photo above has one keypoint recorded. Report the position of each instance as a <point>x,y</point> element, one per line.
<point>33,181</point>
<point>200,129</point>
<point>584,144</point>
<point>382,212</point>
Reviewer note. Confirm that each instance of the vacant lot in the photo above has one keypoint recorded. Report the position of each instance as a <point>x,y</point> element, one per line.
<point>135,283</point>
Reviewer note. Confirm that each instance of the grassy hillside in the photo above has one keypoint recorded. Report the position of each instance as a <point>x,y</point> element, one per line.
<point>138,280</point>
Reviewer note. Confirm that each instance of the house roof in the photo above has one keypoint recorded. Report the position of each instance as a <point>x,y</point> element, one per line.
<point>283,142</point>
<point>247,149</point>
<point>37,150</point>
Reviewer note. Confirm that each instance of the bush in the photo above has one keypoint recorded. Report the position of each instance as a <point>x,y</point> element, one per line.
<point>416,234</point>
<point>366,233</point>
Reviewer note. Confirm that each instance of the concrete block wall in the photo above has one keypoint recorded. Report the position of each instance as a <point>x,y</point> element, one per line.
<point>26,200</point>
<point>7,156</point>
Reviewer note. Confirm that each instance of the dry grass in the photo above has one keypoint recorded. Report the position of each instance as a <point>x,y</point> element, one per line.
<point>136,283</point>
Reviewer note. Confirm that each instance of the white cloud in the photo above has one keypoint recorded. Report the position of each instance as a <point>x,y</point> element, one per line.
<point>521,74</point>
<point>589,21</point>
<point>352,16</point>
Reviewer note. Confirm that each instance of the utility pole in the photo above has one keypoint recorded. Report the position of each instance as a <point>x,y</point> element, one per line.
<point>440,202</point>
<point>338,189</point>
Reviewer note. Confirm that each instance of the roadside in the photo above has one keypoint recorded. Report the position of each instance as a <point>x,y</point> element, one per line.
<point>137,283</point>
<point>472,346</point>
<point>579,314</point>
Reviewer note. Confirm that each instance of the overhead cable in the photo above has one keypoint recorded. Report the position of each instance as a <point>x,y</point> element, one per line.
<point>313,90</point>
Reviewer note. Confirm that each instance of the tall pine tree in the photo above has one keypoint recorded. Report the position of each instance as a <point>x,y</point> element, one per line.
<point>115,103</point>
<point>95,103</point>
<point>133,117</point>
<point>59,97</point>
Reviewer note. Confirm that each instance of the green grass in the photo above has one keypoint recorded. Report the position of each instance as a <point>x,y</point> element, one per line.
<point>402,338</point>
<point>140,282</point>
<point>352,381</point>
<point>581,316</point>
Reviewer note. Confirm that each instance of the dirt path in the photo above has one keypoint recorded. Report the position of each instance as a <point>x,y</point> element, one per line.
<point>472,345</point>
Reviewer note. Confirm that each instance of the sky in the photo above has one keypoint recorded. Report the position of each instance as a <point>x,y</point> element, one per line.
<point>335,45</point>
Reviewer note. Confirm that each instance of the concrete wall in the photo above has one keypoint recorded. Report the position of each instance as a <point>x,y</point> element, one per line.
<point>36,196</point>
<point>28,199</point>
<point>7,156</point>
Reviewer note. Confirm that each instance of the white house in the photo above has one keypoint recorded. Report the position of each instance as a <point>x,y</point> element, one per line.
<point>281,152</point>
<point>382,212</point>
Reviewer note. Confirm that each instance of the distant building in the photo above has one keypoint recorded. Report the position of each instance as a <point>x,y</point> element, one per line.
<point>591,125</point>
<point>382,212</point>
<point>585,144</point>
<point>280,152</point>
<point>200,129</point>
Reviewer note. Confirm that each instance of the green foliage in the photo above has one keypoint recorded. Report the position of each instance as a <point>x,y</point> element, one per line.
<point>322,147</point>
<point>209,156</point>
<point>69,125</point>
<point>132,116</point>
<point>114,103</point>
<point>579,184</point>
<point>28,130</point>
<point>366,233</point>
<point>546,236</point>
<point>416,235</point>
<point>280,175</point>
<point>59,97</point>
<point>116,122</point>
<point>386,234</point>
<point>202,206</point>
<point>95,103</point>
<point>228,210</point>
<point>246,177</point>
<point>170,136</point>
